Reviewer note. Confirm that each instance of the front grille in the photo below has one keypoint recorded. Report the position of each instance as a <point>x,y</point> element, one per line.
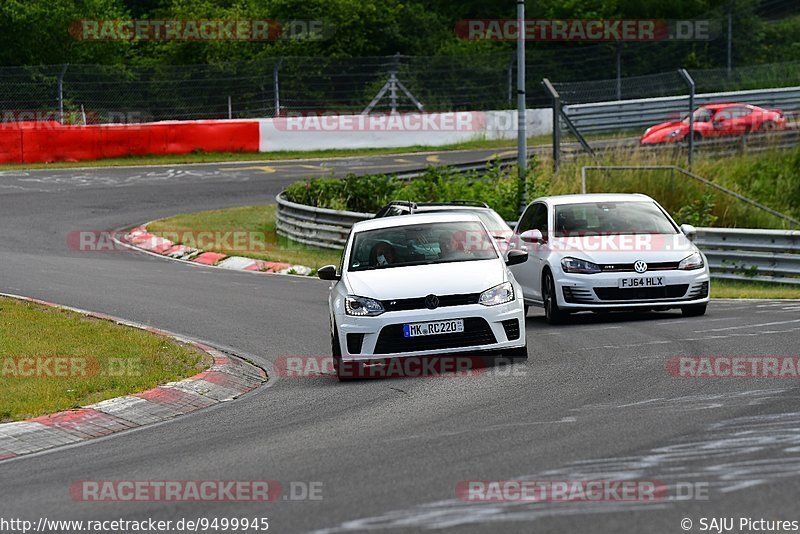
<point>577,294</point>
<point>476,332</point>
<point>628,267</point>
<point>354,342</point>
<point>675,291</point>
<point>511,327</point>
<point>418,303</point>
<point>698,291</point>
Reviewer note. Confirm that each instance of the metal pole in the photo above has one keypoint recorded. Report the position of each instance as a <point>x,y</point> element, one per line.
<point>556,124</point>
<point>230,108</point>
<point>619,71</point>
<point>393,82</point>
<point>730,40</point>
<point>690,82</point>
<point>511,80</point>
<point>61,93</point>
<point>522,148</point>
<point>276,86</point>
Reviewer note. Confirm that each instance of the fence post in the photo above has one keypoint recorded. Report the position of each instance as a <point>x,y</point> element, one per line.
<point>511,79</point>
<point>61,93</point>
<point>690,82</point>
<point>522,110</point>
<point>230,108</point>
<point>619,71</point>
<point>276,86</point>
<point>556,126</point>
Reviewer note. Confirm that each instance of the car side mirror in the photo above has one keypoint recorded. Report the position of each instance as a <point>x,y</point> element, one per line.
<point>689,231</point>
<point>532,236</point>
<point>328,273</point>
<point>515,257</point>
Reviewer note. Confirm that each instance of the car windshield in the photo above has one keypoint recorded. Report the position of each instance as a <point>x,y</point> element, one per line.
<point>420,244</point>
<point>611,218</point>
<point>496,225</point>
<point>700,115</point>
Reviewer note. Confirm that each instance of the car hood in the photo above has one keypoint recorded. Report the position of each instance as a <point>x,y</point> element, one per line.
<point>420,280</point>
<point>627,248</point>
<point>659,131</point>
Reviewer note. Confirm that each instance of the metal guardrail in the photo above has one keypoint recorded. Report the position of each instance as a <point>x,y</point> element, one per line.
<point>636,114</point>
<point>739,254</point>
<point>745,254</point>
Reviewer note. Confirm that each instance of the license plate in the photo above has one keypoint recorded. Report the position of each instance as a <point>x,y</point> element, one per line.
<point>433,328</point>
<point>652,281</point>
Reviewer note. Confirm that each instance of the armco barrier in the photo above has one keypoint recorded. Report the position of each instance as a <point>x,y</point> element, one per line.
<point>640,113</point>
<point>739,254</point>
<point>748,254</point>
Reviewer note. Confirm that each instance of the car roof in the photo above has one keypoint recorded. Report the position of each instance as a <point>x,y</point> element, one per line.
<point>716,107</point>
<point>593,197</point>
<point>416,218</point>
<point>448,207</point>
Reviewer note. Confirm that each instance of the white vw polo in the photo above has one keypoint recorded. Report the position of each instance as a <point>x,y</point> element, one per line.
<point>423,285</point>
<point>604,252</point>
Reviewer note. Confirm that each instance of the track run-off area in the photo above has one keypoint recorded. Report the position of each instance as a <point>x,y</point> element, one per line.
<point>595,400</point>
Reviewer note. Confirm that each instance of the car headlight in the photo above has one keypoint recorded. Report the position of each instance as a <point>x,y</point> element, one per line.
<point>576,266</point>
<point>673,133</point>
<point>497,295</point>
<point>362,306</point>
<point>695,261</point>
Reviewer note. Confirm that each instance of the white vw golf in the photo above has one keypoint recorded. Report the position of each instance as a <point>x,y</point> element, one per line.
<point>604,252</point>
<point>423,285</point>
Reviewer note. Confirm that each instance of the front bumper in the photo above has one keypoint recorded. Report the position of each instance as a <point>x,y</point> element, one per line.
<point>368,339</point>
<point>600,291</point>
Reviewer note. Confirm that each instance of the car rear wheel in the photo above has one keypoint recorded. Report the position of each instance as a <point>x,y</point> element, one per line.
<point>552,313</point>
<point>694,310</point>
<point>769,126</point>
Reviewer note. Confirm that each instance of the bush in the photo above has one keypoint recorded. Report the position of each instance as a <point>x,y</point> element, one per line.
<point>496,186</point>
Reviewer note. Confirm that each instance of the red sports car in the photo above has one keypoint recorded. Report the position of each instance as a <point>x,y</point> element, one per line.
<point>717,120</point>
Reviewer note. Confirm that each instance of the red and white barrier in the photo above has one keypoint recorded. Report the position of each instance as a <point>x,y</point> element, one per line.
<point>49,141</point>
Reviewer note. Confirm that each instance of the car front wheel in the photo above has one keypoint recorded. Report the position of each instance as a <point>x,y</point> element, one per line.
<point>552,313</point>
<point>694,310</point>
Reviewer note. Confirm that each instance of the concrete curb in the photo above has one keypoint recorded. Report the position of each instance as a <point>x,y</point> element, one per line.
<point>228,378</point>
<point>139,238</point>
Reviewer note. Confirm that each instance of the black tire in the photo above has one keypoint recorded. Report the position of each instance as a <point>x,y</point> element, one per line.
<point>695,310</point>
<point>520,353</point>
<point>768,126</point>
<point>336,352</point>
<point>697,137</point>
<point>552,313</point>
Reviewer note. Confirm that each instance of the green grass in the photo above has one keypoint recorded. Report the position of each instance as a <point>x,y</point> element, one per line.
<point>257,222</point>
<point>735,289</point>
<point>106,360</point>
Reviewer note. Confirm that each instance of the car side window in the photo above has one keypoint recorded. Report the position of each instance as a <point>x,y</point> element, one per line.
<point>539,221</point>
<point>524,223</point>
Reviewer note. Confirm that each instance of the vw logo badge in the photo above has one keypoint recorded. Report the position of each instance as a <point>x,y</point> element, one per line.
<point>640,266</point>
<point>431,302</point>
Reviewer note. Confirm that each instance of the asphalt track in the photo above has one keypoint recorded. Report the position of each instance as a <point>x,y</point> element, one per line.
<point>593,401</point>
